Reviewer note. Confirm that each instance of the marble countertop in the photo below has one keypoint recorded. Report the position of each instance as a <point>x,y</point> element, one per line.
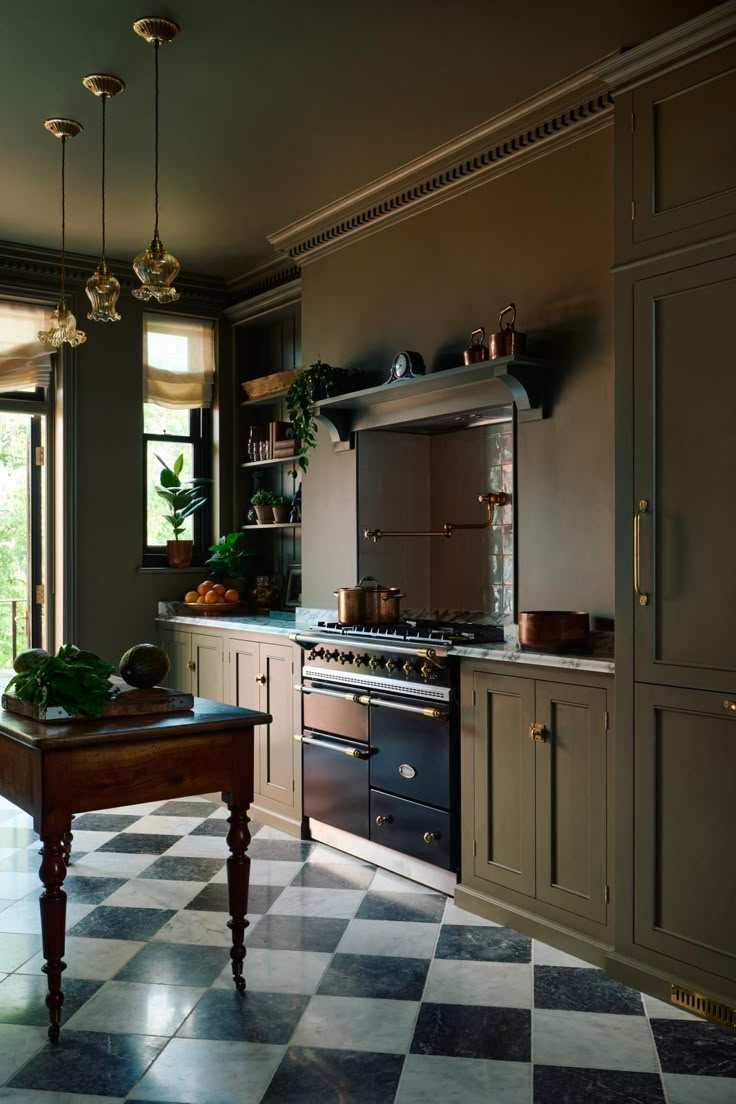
<point>510,652</point>
<point>280,626</point>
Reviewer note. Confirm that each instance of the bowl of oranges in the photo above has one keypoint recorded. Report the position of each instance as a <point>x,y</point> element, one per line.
<point>211,598</point>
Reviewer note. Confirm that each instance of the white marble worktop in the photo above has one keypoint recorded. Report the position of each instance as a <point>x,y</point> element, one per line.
<point>512,653</point>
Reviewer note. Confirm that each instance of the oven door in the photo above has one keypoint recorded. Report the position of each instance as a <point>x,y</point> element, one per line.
<point>412,750</point>
<point>335,711</point>
<point>335,781</point>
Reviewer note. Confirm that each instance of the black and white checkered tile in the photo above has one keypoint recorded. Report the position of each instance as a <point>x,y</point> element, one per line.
<point>363,988</point>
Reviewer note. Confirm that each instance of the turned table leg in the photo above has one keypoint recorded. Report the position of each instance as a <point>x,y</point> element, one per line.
<point>238,877</point>
<point>53,920</point>
<point>66,846</point>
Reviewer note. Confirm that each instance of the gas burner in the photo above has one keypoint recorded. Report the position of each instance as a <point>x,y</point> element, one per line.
<point>419,632</point>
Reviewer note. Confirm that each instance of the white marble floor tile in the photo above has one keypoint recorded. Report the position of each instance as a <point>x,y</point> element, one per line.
<point>89,841</point>
<point>659,1010</point>
<point>200,847</point>
<point>544,955</point>
<point>496,984</point>
<point>142,808</point>
<point>35,1096</point>
<point>7,904</point>
<point>14,886</point>
<point>428,1077</point>
<point>593,1040</point>
<point>357,1023</point>
<point>97,959</point>
<point>17,949</point>
<point>220,814</point>
<point>301,901</point>
<point>196,928</point>
<point>459,916</point>
<point>154,893</point>
<point>388,937</point>
<point>279,971</point>
<point>163,825</point>
<point>132,1008</point>
<point>24,917</point>
<point>689,1089</point>
<point>112,864</point>
<point>324,854</point>
<point>19,820</point>
<point>18,1044</point>
<point>394,883</point>
<point>266,872</point>
<point>6,852</point>
<point>199,1071</point>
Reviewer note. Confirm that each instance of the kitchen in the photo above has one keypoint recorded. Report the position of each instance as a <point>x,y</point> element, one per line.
<point>542,235</point>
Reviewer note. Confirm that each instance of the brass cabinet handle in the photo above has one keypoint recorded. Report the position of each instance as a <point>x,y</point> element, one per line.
<point>730,705</point>
<point>537,732</point>
<point>643,598</point>
<point>191,665</point>
<point>430,837</point>
<point>261,678</point>
<point>381,820</point>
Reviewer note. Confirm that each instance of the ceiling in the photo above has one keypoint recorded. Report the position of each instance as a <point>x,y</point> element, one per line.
<point>270,108</point>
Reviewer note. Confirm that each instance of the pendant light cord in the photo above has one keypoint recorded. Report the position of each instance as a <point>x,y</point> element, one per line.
<point>104,102</point>
<point>155,156</point>
<point>63,216</point>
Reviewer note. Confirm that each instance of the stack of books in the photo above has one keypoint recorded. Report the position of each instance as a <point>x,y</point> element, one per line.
<point>282,442</point>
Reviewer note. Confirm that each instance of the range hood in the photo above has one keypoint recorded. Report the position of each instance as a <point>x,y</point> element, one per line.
<point>472,395</point>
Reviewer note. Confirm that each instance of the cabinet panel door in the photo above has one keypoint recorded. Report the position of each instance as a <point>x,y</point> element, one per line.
<point>685,796</point>
<point>208,656</point>
<point>277,744</point>
<point>685,463</point>
<point>504,781</point>
<point>178,646</point>
<point>684,153</point>
<point>571,798</point>
<point>244,669</point>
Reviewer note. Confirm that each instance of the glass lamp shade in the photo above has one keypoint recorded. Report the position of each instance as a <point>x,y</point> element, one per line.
<point>103,290</point>
<point>156,269</point>
<point>63,329</point>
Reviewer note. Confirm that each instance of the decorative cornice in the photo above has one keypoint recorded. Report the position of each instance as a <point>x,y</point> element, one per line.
<point>561,114</point>
<point>267,302</point>
<point>678,46</point>
<point>274,273</point>
<point>29,264</point>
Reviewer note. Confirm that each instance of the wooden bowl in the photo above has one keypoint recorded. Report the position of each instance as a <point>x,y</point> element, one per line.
<point>215,609</point>
<point>554,630</point>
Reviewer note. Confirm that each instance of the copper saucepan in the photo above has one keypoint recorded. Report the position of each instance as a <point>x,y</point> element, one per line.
<point>368,603</point>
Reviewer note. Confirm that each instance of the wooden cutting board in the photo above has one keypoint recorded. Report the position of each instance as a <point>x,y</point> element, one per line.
<point>129,702</point>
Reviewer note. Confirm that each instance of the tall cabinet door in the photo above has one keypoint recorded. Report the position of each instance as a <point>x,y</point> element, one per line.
<point>685,796</point>
<point>504,781</point>
<point>276,740</point>
<point>571,798</point>
<point>177,643</point>
<point>208,659</point>
<point>685,470</point>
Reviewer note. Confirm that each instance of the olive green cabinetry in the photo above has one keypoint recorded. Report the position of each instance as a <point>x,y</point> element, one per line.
<point>536,751</point>
<point>196,662</point>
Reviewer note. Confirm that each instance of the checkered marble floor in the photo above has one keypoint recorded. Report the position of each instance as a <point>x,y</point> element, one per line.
<point>363,988</point>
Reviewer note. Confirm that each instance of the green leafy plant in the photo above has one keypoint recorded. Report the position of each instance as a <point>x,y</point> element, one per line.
<point>230,556</point>
<point>183,498</point>
<point>279,500</point>
<point>263,498</point>
<point>77,681</point>
<point>316,382</point>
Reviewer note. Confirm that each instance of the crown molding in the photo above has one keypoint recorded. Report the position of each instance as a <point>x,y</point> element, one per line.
<point>681,44</point>
<point>561,114</point>
<point>274,273</point>
<point>274,299</point>
<point>35,266</point>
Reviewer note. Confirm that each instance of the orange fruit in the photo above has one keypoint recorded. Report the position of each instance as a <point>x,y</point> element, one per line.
<point>191,596</point>
<point>219,588</point>
<point>212,596</point>
<point>231,596</point>
<point>205,586</point>
<point>200,600</point>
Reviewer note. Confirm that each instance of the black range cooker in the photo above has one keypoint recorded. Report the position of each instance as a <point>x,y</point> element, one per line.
<point>380,732</point>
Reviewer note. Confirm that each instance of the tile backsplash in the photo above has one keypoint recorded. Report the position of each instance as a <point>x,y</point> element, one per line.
<point>499,445</point>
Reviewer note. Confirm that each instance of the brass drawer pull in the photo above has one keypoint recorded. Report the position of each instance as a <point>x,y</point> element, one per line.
<point>261,678</point>
<point>430,837</point>
<point>381,820</point>
<point>643,598</point>
<point>537,732</point>
<point>730,705</point>
<point>191,665</point>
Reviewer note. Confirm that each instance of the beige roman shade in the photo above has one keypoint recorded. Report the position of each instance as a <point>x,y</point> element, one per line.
<point>178,361</point>
<point>24,362</point>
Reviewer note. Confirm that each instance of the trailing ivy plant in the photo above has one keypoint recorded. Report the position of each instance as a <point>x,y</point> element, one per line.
<point>314,383</point>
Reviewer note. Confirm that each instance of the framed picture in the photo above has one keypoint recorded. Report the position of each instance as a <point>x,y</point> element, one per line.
<point>293,589</point>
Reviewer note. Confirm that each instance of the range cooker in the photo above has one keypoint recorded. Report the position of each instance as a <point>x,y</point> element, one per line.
<point>380,733</point>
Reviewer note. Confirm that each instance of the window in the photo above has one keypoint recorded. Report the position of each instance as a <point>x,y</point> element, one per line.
<point>178,377</point>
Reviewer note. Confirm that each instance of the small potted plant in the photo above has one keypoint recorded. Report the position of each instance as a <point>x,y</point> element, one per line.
<point>262,501</point>
<point>229,561</point>
<point>319,381</point>
<point>281,509</point>
<point>183,500</point>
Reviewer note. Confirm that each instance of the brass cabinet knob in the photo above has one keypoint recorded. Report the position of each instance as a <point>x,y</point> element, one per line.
<point>430,837</point>
<point>261,678</point>
<point>191,665</point>
<point>730,705</point>
<point>381,820</point>
<point>537,732</point>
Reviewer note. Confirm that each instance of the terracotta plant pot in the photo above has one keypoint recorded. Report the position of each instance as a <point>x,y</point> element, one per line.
<point>179,553</point>
<point>264,514</point>
<point>281,514</point>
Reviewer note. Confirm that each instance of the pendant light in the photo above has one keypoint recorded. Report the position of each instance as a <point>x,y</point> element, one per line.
<point>63,323</point>
<point>103,289</point>
<point>155,268</point>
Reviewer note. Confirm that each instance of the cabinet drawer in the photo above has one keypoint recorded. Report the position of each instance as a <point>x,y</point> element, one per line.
<point>335,784</point>
<point>411,756</point>
<point>406,823</point>
<point>325,711</point>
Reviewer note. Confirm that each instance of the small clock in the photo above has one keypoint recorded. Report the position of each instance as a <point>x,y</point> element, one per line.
<point>406,365</point>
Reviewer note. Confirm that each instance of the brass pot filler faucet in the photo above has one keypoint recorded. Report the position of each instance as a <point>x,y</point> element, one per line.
<point>492,499</point>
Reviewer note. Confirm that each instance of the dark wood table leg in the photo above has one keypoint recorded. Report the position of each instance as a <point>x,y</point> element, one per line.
<point>238,879</point>
<point>67,839</point>
<point>53,920</point>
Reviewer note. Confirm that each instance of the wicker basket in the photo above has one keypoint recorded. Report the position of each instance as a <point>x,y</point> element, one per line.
<point>275,384</point>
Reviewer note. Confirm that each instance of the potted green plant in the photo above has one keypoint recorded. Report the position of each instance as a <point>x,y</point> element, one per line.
<point>229,561</point>
<point>262,501</point>
<point>281,509</point>
<point>319,381</point>
<point>183,499</point>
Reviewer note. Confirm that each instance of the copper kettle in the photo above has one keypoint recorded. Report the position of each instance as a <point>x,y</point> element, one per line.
<point>508,341</point>
<point>476,350</point>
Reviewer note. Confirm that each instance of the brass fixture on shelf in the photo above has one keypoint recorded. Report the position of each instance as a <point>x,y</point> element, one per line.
<point>492,499</point>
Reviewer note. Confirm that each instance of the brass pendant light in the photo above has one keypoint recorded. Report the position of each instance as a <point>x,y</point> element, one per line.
<point>63,329</point>
<point>155,268</point>
<point>103,289</point>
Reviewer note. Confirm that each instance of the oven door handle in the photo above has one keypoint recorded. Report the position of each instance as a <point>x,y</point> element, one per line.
<point>423,711</point>
<point>359,699</point>
<point>352,752</point>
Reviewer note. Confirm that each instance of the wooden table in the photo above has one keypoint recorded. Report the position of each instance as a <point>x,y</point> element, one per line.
<point>54,770</point>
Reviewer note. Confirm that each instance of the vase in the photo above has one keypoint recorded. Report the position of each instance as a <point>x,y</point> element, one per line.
<point>264,514</point>
<point>179,553</point>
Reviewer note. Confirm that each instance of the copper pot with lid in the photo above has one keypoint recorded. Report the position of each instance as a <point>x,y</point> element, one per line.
<point>368,603</point>
<point>477,349</point>
<point>507,341</point>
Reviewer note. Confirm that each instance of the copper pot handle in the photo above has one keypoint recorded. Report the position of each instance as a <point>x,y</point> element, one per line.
<point>482,331</point>
<point>510,325</point>
<point>390,597</point>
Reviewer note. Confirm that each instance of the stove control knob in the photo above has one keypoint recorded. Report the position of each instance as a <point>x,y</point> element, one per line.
<point>332,655</point>
<point>361,661</point>
<point>316,653</point>
<point>375,662</point>
<point>391,665</point>
<point>427,672</point>
<point>408,668</point>
<point>345,657</point>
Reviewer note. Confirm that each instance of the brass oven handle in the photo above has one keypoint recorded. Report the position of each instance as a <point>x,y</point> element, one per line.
<point>359,699</point>
<point>423,711</point>
<point>352,753</point>
<point>643,507</point>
